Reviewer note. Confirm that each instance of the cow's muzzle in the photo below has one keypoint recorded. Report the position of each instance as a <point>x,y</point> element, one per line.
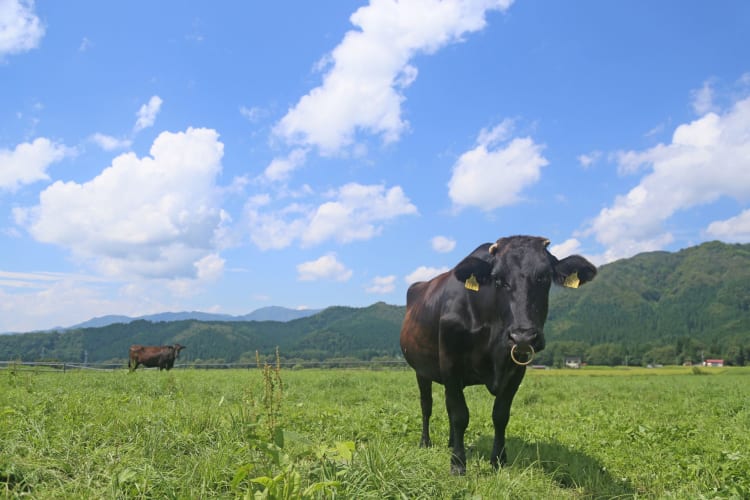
<point>522,356</point>
<point>528,338</point>
<point>524,344</point>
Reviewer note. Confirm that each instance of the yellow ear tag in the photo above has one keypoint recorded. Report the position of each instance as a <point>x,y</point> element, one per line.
<point>472,284</point>
<point>572,281</point>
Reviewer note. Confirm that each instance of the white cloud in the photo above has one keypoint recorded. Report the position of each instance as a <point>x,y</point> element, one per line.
<point>20,28</point>
<point>276,229</point>
<point>39,280</point>
<point>707,159</point>
<point>588,160</point>
<point>33,300</point>
<point>655,130</point>
<point>151,217</point>
<point>735,229</point>
<point>493,175</point>
<point>382,284</point>
<point>424,273</point>
<point>355,212</point>
<point>28,162</point>
<point>703,99</point>
<point>253,114</point>
<point>147,114</point>
<point>442,244</point>
<point>85,45</point>
<point>209,268</point>
<point>146,117</point>
<point>368,71</point>
<point>60,303</point>
<point>109,143</point>
<point>326,267</point>
<point>499,133</point>
<point>280,168</point>
<point>566,248</point>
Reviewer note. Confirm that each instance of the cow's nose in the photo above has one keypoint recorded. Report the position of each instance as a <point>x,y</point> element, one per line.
<point>524,337</point>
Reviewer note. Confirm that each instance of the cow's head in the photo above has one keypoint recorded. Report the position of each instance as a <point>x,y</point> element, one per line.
<point>177,348</point>
<point>518,271</point>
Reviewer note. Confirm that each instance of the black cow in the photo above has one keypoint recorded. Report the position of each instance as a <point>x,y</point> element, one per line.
<point>481,323</point>
<point>154,356</point>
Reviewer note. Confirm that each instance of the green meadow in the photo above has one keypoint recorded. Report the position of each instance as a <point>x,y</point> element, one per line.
<point>270,433</point>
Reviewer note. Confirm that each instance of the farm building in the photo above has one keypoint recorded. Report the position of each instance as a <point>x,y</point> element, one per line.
<point>572,361</point>
<point>714,362</point>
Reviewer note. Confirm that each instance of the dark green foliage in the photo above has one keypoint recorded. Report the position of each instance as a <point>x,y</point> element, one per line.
<point>657,307</point>
<point>337,332</point>
<point>661,307</point>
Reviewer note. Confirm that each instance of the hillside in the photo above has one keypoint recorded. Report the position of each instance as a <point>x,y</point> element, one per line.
<point>334,332</point>
<point>656,307</point>
<point>684,305</point>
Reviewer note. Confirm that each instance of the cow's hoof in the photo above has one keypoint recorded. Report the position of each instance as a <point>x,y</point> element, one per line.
<point>458,470</point>
<point>458,467</point>
<point>496,464</point>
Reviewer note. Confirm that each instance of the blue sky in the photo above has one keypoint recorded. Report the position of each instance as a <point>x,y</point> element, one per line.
<point>181,155</point>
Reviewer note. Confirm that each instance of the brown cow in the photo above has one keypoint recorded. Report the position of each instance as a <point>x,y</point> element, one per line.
<point>481,323</point>
<point>154,356</point>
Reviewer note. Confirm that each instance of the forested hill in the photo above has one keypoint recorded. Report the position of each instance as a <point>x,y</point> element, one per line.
<point>361,333</point>
<point>656,307</point>
<point>661,307</point>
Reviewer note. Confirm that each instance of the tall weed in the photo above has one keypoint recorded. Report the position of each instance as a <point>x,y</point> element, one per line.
<point>283,479</point>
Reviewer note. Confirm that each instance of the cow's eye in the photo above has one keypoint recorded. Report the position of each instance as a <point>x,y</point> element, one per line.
<point>543,278</point>
<point>501,283</point>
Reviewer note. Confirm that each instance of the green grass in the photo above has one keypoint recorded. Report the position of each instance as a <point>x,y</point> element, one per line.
<point>591,433</point>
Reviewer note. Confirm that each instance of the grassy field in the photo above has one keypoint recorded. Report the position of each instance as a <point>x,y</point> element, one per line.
<point>591,433</point>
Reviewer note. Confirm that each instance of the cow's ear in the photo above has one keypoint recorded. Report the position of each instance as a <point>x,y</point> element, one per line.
<point>480,268</point>
<point>574,271</point>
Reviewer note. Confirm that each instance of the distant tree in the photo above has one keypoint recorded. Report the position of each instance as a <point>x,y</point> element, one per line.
<point>608,354</point>
<point>556,352</point>
<point>663,355</point>
<point>735,355</point>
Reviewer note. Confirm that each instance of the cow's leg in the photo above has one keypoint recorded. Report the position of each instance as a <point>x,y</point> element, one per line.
<point>450,427</point>
<point>500,418</point>
<point>458,415</point>
<point>425,400</point>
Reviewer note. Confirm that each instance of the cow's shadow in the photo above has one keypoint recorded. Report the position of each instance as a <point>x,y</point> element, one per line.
<point>569,468</point>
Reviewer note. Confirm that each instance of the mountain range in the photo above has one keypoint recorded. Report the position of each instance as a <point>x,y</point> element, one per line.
<point>271,313</point>
<point>656,307</point>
